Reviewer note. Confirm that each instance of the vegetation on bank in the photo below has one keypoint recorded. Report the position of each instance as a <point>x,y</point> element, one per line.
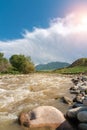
<point>16,64</point>
<point>78,66</point>
<point>72,70</point>
<point>20,64</point>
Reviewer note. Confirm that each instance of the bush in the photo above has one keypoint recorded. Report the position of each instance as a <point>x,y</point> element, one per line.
<point>22,64</point>
<point>4,64</point>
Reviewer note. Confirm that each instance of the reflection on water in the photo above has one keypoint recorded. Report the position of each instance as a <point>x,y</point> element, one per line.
<point>24,92</point>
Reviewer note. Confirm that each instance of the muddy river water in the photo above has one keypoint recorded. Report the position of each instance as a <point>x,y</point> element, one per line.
<point>24,92</point>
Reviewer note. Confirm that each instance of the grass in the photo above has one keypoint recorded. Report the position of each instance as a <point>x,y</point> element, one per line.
<point>72,70</point>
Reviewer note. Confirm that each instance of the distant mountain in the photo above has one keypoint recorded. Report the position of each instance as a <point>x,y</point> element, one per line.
<point>51,66</point>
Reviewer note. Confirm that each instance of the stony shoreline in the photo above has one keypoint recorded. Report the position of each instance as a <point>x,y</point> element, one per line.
<point>78,110</point>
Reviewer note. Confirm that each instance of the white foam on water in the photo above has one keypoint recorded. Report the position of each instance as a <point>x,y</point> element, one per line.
<point>20,94</point>
<point>2,90</point>
<point>7,116</point>
<point>6,101</point>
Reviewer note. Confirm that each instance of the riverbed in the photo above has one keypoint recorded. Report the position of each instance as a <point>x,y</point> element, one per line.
<point>20,93</point>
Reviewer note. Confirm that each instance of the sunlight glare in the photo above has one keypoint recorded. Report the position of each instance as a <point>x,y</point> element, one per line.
<point>84,20</point>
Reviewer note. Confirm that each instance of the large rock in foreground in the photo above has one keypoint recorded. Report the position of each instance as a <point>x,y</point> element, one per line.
<point>44,116</point>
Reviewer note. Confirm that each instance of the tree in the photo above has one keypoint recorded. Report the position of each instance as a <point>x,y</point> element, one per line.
<point>22,64</point>
<point>4,64</point>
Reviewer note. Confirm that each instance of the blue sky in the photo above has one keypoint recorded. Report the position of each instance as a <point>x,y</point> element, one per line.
<point>17,15</point>
<point>31,27</point>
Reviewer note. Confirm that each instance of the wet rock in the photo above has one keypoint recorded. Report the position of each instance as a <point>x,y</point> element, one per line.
<point>85,102</point>
<point>78,98</point>
<point>72,113</point>
<point>67,100</point>
<point>79,114</point>
<point>82,116</point>
<point>83,93</point>
<point>83,88</point>
<point>82,126</point>
<point>84,78</point>
<point>75,91</point>
<point>75,105</point>
<point>74,88</point>
<point>75,81</point>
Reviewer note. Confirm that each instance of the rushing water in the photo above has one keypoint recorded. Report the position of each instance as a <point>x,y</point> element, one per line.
<point>24,92</point>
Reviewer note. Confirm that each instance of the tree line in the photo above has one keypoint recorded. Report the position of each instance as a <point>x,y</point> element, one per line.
<point>16,64</point>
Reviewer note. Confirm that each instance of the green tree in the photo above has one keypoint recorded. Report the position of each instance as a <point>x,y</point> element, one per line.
<point>4,64</point>
<point>22,64</point>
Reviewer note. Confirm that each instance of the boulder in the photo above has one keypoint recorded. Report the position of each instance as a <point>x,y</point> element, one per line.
<point>82,116</point>
<point>44,116</point>
<point>72,113</point>
<point>82,126</point>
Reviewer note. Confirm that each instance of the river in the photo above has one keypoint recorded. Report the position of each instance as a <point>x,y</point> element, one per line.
<point>24,92</point>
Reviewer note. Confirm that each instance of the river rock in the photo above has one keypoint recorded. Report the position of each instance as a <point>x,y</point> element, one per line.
<point>75,81</point>
<point>84,78</point>
<point>83,87</point>
<point>67,100</point>
<point>79,98</point>
<point>75,91</point>
<point>82,116</point>
<point>82,126</point>
<point>75,105</point>
<point>44,116</point>
<point>75,87</point>
<point>85,102</point>
<point>72,113</point>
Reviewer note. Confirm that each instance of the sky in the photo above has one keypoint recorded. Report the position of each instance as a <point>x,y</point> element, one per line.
<point>46,30</point>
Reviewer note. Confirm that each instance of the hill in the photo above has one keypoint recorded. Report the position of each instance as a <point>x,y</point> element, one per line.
<point>51,66</point>
<point>78,66</point>
<point>79,62</point>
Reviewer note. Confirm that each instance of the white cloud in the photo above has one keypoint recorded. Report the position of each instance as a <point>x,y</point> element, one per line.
<point>64,40</point>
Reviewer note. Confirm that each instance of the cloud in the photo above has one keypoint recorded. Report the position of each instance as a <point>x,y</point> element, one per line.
<point>64,40</point>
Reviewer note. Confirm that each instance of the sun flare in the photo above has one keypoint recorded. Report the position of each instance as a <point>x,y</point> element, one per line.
<point>84,20</point>
<point>81,22</point>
